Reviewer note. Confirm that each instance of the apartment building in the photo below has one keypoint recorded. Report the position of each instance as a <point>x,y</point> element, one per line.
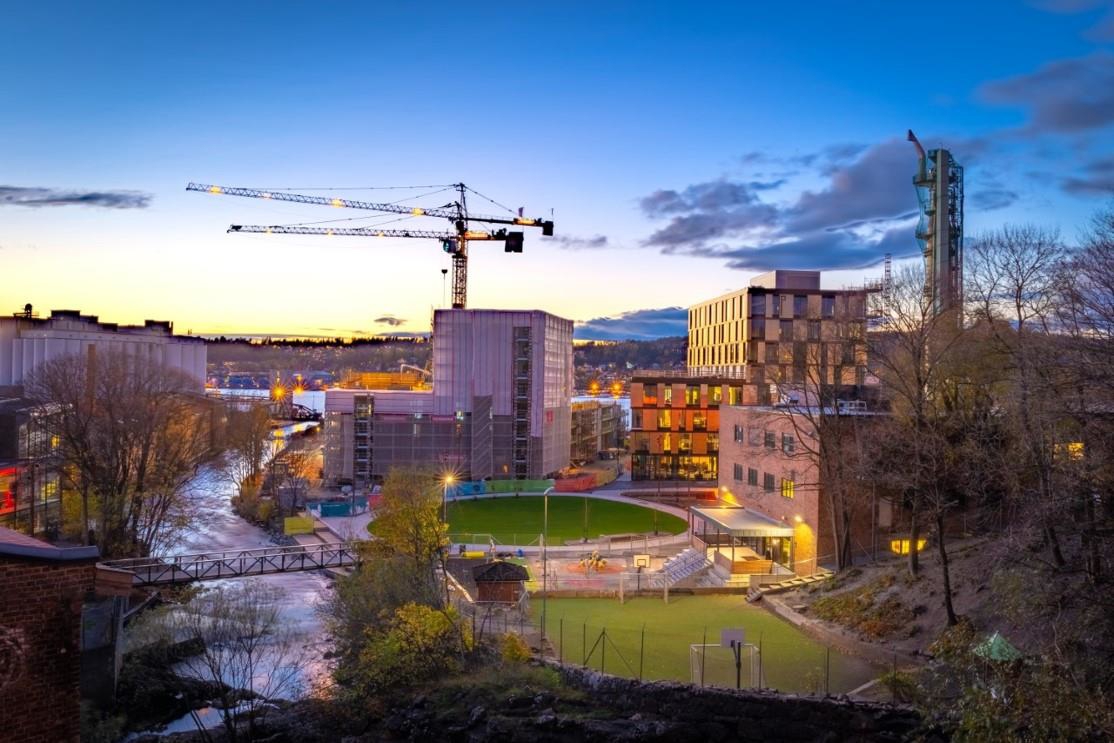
<point>597,425</point>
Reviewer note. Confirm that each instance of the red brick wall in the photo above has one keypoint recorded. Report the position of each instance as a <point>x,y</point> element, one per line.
<point>40,653</point>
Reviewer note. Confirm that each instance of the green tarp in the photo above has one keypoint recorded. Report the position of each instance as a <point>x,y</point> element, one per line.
<point>997,648</point>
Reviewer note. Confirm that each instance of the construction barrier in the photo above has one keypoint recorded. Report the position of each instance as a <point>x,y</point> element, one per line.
<point>579,484</point>
<point>297,525</point>
<point>482,487</point>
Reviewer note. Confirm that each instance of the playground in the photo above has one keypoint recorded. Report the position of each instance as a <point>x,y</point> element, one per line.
<point>518,520</point>
<point>650,635</point>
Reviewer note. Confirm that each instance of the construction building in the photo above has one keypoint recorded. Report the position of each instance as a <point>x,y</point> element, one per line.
<point>939,184</point>
<point>499,406</point>
<point>26,341</point>
<point>597,425</point>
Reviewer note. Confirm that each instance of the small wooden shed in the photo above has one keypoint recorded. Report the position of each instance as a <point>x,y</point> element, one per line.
<point>499,581</point>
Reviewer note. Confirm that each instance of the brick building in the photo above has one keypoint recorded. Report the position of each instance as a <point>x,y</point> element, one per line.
<point>42,589</point>
<point>768,463</point>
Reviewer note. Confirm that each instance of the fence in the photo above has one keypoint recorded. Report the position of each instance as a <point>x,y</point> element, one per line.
<point>656,652</point>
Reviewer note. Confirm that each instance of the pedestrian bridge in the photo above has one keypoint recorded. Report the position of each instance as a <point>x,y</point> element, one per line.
<point>181,569</point>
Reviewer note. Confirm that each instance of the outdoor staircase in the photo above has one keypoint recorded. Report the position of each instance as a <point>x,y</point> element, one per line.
<point>685,565</point>
<point>756,594</point>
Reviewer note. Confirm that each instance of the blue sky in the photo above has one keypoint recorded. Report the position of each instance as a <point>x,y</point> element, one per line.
<point>682,148</point>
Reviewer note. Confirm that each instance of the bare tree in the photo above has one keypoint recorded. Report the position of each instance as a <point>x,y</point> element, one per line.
<point>910,355</point>
<point>246,439</point>
<point>246,647</point>
<point>135,432</point>
<point>1014,288</point>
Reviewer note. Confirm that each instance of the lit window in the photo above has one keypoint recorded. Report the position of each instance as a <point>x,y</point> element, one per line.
<point>787,486</point>
<point>901,546</point>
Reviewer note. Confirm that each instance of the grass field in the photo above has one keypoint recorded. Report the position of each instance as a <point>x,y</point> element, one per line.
<point>791,660</point>
<point>519,520</point>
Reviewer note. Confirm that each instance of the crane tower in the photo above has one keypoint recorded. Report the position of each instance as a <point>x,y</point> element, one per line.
<point>454,242</point>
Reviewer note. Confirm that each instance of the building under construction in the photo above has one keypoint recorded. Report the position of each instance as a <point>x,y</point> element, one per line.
<point>499,406</point>
<point>939,183</point>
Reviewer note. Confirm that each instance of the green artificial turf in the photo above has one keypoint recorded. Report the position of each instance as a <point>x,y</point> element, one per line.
<point>518,520</point>
<point>791,660</point>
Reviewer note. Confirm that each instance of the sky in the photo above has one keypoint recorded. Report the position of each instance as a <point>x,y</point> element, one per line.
<point>680,149</point>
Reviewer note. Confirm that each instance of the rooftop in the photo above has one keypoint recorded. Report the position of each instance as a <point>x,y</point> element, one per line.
<point>743,522</point>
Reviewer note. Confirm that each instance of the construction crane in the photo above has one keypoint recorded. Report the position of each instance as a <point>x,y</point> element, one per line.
<point>454,242</point>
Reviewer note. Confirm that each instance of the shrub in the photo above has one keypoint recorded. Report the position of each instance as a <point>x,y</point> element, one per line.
<point>513,649</point>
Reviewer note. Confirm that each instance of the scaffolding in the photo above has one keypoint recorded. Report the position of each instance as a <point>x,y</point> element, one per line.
<point>521,402</point>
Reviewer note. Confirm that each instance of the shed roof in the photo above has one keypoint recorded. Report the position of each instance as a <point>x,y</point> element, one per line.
<point>499,571</point>
<point>743,522</point>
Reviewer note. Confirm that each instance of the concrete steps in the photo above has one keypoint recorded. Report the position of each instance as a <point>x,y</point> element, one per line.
<point>756,594</point>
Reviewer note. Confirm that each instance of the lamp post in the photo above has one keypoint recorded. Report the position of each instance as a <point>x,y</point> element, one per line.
<point>545,562</point>
<point>446,481</point>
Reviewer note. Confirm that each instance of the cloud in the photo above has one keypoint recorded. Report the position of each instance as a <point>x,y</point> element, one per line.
<point>635,325</point>
<point>391,320</point>
<point>1065,96</point>
<point>1098,178</point>
<point>863,211</point>
<point>572,242</point>
<point>1101,31</point>
<point>989,199</point>
<point>38,197</point>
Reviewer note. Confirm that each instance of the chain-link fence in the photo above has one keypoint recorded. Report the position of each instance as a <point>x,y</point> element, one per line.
<point>656,652</point>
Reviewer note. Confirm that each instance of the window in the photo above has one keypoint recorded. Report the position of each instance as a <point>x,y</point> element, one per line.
<point>786,487</point>
<point>758,328</point>
<point>739,472</point>
<point>684,443</point>
<point>699,422</point>
<point>667,395</point>
<point>768,482</point>
<point>785,331</point>
<point>814,330</point>
<point>827,305</point>
<point>636,420</point>
<point>752,476</point>
<point>715,395</point>
<point>692,394</point>
<point>735,394</point>
<point>770,440</point>
<point>777,305</point>
<point>800,305</point>
<point>738,433</point>
<point>771,353</point>
<point>757,305</point>
<point>787,443</point>
<point>666,444</point>
<point>665,419</point>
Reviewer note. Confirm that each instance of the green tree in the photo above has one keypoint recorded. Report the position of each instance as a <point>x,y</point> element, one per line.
<point>408,521</point>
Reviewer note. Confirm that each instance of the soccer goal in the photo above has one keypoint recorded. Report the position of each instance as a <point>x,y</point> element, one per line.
<point>731,663</point>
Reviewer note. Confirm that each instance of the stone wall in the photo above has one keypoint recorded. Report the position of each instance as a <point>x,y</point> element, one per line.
<point>40,654</point>
<point>724,714</point>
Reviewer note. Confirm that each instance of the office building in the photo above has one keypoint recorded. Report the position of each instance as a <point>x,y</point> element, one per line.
<point>781,330</point>
<point>499,406</point>
<point>597,425</point>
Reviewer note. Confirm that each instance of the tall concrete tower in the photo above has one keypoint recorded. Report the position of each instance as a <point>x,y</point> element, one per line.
<point>939,184</point>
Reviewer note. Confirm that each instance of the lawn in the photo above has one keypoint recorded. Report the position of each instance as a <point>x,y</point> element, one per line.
<point>791,660</point>
<point>518,520</point>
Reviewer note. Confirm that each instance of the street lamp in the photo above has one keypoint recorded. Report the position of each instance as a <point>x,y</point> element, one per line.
<point>545,562</point>
<point>446,481</point>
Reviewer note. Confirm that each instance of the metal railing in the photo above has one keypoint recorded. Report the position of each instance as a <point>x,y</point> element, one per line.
<point>179,569</point>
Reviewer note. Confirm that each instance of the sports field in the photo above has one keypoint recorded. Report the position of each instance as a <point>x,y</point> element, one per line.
<point>518,520</point>
<point>790,660</point>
